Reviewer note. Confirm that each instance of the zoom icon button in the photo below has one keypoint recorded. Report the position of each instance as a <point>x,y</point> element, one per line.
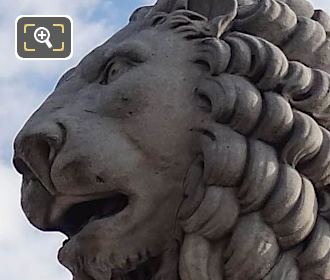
<point>44,37</point>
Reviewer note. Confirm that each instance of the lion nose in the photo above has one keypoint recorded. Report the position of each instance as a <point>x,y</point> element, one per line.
<point>36,147</point>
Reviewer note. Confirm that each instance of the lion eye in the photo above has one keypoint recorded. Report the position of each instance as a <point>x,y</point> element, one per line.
<point>114,70</point>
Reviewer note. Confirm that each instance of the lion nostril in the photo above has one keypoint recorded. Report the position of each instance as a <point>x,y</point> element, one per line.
<point>36,150</point>
<point>22,167</point>
<point>33,159</point>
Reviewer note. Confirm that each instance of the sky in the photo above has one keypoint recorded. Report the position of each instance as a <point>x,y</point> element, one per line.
<point>25,252</point>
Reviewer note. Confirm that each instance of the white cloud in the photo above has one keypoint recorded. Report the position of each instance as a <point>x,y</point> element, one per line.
<point>17,103</point>
<point>149,2</point>
<point>322,4</point>
<point>24,252</point>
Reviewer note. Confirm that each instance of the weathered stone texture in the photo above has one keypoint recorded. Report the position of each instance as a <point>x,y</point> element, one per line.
<point>194,144</point>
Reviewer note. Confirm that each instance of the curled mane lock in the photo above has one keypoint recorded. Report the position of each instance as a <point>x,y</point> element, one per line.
<point>265,149</point>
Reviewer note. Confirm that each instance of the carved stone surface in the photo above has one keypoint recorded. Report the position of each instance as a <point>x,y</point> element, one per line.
<point>192,145</point>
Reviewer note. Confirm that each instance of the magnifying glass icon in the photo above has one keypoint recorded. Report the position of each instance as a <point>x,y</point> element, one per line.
<point>42,35</point>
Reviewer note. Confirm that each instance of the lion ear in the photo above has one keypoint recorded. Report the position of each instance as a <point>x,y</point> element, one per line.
<point>220,13</point>
<point>168,6</point>
<point>140,13</point>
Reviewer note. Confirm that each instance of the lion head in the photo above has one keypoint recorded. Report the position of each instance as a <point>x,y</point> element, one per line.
<point>192,145</point>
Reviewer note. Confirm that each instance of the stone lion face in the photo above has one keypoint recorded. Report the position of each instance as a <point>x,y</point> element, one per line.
<point>185,143</point>
<point>104,157</point>
<point>184,146</point>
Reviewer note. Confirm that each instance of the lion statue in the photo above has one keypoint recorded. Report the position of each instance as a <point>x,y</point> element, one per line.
<point>194,144</point>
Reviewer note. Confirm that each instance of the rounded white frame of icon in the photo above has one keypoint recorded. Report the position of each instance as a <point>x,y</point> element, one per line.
<point>34,58</point>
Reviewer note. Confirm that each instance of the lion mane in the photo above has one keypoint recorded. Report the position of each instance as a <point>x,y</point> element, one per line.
<point>261,207</point>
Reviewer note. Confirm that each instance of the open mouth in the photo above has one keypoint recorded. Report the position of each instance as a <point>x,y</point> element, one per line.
<point>79,215</point>
<point>77,212</point>
<point>75,215</point>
